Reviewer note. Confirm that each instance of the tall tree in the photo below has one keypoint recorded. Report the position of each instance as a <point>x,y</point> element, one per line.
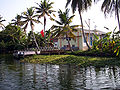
<point>1,24</point>
<point>12,38</point>
<point>110,6</point>
<point>81,5</point>
<point>17,21</point>
<point>64,28</point>
<point>43,9</point>
<point>29,18</point>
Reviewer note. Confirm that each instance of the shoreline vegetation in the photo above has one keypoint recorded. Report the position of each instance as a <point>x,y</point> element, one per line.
<point>71,58</point>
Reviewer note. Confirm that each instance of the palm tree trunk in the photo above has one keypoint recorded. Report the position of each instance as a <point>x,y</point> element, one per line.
<point>83,30</point>
<point>35,41</point>
<point>44,29</point>
<point>118,20</point>
<point>117,12</point>
<point>68,43</point>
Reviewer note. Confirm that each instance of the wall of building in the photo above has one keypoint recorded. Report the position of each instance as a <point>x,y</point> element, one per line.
<point>77,43</point>
<point>74,43</point>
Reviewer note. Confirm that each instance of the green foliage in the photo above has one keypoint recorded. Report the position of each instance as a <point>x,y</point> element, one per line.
<point>17,21</point>
<point>109,44</point>
<point>2,44</point>
<point>29,17</point>
<point>43,58</point>
<point>1,24</point>
<point>81,5</point>
<point>96,42</point>
<point>110,6</point>
<point>44,8</point>
<point>64,28</point>
<point>11,37</point>
<point>72,59</point>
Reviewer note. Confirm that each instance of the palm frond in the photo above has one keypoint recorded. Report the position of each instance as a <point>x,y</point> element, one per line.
<point>52,19</point>
<point>58,22</point>
<point>68,2</point>
<point>70,19</point>
<point>42,15</point>
<point>75,26</point>
<point>24,22</point>
<point>51,11</point>
<point>1,24</point>
<point>72,35</point>
<point>36,21</point>
<point>74,5</point>
<point>55,26</point>
<point>25,27</point>
<point>109,6</point>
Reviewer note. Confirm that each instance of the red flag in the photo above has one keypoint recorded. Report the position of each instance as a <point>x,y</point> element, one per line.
<point>42,33</point>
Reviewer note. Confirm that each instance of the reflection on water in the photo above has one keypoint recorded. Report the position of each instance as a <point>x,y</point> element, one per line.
<point>24,76</point>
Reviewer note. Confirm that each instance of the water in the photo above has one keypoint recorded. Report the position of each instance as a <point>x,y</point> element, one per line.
<point>25,76</point>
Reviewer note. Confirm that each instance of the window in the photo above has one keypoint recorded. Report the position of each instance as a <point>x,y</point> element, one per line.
<point>73,45</point>
<point>91,41</point>
<point>68,38</point>
<point>65,46</point>
<point>84,39</point>
<point>55,44</point>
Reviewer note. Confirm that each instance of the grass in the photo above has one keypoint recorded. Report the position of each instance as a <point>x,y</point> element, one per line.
<point>43,58</point>
<point>93,52</point>
<point>82,61</point>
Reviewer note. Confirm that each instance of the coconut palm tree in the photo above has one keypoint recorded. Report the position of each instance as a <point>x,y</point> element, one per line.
<point>110,6</point>
<point>43,9</point>
<point>17,21</point>
<point>64,28</point>
<point>81,5</point>
<point>29,18</point>
<point>1,24</point>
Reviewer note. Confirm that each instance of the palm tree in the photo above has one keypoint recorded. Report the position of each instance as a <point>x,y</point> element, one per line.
<point>110,6</point>
<point>81,5</point>
<point>1,24</point>
<point>64,28</point>
<point>43,9</point>
<point>17,21</point>
<point>29,17</point>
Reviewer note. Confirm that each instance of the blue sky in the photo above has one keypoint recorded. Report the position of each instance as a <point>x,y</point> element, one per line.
<point>10,8</point>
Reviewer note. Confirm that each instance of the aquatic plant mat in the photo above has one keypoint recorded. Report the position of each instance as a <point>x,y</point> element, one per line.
<point>72,59</point>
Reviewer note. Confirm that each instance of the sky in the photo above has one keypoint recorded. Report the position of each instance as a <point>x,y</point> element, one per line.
<point>10,8</point>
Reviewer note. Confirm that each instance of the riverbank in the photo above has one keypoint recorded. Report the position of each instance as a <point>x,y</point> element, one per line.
<point>73,59</point>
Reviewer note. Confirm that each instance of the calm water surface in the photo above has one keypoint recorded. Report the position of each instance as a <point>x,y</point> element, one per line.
<point>25,76</point>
